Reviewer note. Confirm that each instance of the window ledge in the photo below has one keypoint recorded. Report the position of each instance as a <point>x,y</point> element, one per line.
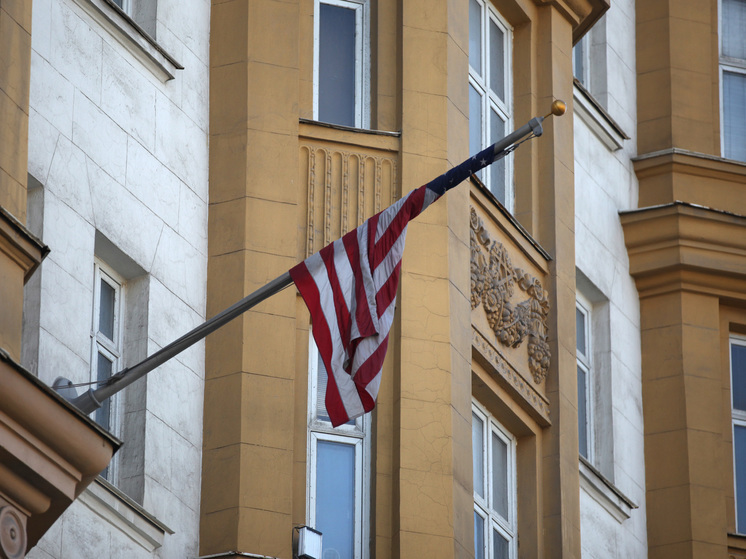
<point>132,37</point>
<point>597,119</point>
<point>119,510</point>
<point>604,492</point>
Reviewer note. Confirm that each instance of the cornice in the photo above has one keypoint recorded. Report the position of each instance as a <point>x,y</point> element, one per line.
<point>583,14</point>
<point>19,244</point>
<point>681,246</point>
<point>691,162</point>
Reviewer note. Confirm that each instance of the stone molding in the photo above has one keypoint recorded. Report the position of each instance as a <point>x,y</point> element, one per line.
<point>684,246</point>
<point>348,175</point>
<point>534,403</point>
<point>52,452</point>
<point>582,13</point>
<point>493,281</point>
<point>19,244</point>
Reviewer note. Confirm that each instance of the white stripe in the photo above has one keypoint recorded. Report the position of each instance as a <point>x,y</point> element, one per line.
<point>345,385</point>
<point>388,215</point>
<point>370,292</point>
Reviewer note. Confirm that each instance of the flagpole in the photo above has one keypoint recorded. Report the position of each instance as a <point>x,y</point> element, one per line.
<point>91,400</point>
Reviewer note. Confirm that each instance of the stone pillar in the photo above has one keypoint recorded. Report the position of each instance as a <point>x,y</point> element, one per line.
<point>250,363</point>
<point>433,412</point>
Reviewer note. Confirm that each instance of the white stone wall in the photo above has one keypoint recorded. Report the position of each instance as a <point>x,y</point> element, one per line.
<point>605,183</point>
<point>118,151</point>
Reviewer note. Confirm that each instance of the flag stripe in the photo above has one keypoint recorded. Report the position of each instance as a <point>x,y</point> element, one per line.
<point>350,289</point>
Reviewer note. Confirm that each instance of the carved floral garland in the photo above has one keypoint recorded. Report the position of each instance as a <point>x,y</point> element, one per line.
<point>493,281</point>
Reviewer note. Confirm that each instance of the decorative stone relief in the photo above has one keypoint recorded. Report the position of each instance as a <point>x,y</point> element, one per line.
<point>344,189</point>
<point>493,282</point>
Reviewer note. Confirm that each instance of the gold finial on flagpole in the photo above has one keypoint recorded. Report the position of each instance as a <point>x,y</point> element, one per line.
<point>558,108</point>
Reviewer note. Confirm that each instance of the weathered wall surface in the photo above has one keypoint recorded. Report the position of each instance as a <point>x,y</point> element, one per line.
<point>605,183</point>
<point>118,172</point>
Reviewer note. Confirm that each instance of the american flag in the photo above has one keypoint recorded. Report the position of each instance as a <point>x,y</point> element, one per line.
<point>350,290</point>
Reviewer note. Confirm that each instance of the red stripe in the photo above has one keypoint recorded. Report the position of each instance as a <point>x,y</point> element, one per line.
<point>321,334</point>
<point>372,366</point>
<point>387,293</point>
<point>409,210</point>
<point>362,310</point>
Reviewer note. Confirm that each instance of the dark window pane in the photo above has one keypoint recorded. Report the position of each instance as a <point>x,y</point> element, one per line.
<point>501,546</point>
<point>739,451</point>
<point>103,372</point>
<point>475,36</point>
<point>478,537</point>
<point>335,498</point>
<point>738,366</point>
<point>497,169</point>
<point>337,65</point>
<point>734,115</point>
<point>499,476</point>
<point>580,330</point>
<point>578,61</point>
<point>497,60</point>
<point>582,413</point>
<point>733,23</point>
<point>106,310</point>
<point>477,432</point>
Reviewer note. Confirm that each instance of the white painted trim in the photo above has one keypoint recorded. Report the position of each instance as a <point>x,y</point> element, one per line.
<point>357,435</point>
<point>128,34</point>
<point>585,362</point>
<point>591,116</point>
<point>482,506</point>
<point>362,57</point>
<point>122,513</point>
<point>604,492</point>
<point>490,101</point>
<point>738,417</point>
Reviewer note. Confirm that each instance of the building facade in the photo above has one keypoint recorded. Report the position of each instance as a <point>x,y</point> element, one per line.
<point>567,358</point>
<point>117,189</point>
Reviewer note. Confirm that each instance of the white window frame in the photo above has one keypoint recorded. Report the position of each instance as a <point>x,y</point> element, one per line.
<point>727,64</point>
<point>362,57</point>
<point>738,418</point>
<point>585,362</point>
<point>507,527</point>
<point>489,99</point>
<point>357,435</point>
<point>126,6</point>
<point>110,348</point>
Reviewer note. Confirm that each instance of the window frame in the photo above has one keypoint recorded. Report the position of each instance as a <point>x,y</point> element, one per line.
<point>357,435</point>
<point>111,349</point>
<point>726,64</point>
<point>493,521</point>
<point>738,418</point>
<point>362,57</point>
<point>489,98</point>
<point>582,47</point>
<point>584,361</point>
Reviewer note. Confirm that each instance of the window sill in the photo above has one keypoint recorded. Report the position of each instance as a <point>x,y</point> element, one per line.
<point>604,492</point>
<point>132,37</point>
<point>119,510</point>
<point>597,119</point>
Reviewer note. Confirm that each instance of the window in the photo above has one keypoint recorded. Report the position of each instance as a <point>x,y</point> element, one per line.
<point>338,488</point>
<point>738,394</point>
<point>341,39</point>
<point>585,379</point>
<point>581,61</point>
<point>106,347</point>
<point>495,510</point>
<point>733,78</point>
<point>490,105</point>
